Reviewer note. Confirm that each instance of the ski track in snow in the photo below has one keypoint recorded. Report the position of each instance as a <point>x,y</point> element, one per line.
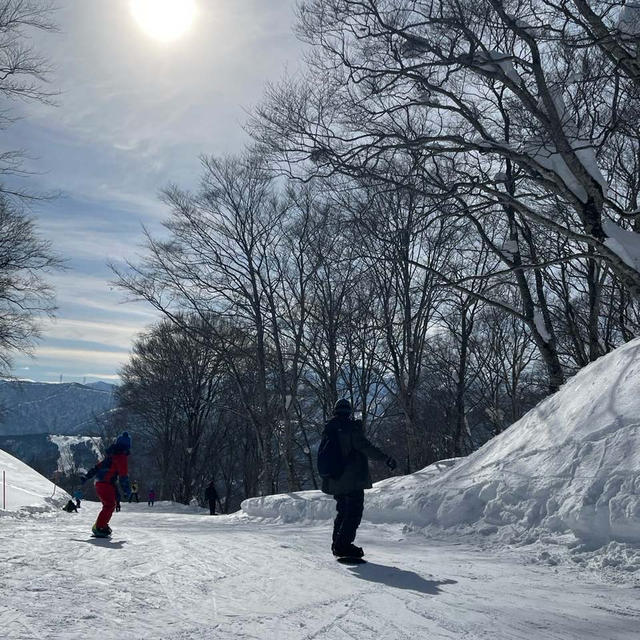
<point>179,576</point>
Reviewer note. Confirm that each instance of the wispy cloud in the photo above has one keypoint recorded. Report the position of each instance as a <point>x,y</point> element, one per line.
<point>104,333</point>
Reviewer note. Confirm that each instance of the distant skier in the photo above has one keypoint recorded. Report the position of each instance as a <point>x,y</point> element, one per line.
<point>152,497</point>
<point>344,467</point>
<point>78,495</point>
<point>118,505</point>
<point>70,507</point>
<point>108,471</point>
<point>211,496</point>
<point>134,492</point>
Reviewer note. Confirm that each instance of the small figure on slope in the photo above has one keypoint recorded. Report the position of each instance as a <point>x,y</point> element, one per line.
<point>344,467</point>
<point>211,496</point>
<point>134,492</point>
<point>108,472</point>
<point>70,507</point>
<point>118,505</point>
<point>78,495</point>
<point>152,497</point>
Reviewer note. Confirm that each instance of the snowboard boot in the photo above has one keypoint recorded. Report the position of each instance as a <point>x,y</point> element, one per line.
<point>346,551</point>
<point>100,532</point>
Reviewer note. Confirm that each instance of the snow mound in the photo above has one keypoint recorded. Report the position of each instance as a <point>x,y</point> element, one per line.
<point>27,491</point>
<point>569,466</point>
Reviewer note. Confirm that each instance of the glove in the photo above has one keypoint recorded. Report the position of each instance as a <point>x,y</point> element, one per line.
<point>391,463</point>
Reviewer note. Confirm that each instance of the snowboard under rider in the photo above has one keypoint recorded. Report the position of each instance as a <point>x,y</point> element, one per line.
<point>110,470</point>
<point>348,489</point>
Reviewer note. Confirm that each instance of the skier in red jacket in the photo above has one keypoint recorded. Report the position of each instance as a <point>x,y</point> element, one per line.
<point>110,470</point>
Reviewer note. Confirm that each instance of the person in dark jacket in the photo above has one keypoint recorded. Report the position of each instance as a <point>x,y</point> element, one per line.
<point>211,496</point>
<point>70,507</point>
<point>108,472</point>
<point>348,489</point>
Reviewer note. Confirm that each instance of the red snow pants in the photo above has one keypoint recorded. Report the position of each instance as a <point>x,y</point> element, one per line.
<point>107,494</point>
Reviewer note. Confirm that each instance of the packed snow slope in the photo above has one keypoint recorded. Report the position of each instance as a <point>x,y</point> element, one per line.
<point>172,574</point>
<point>26,491</point>
<point>569,466</point>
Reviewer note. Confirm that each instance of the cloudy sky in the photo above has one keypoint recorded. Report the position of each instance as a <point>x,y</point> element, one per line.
<point>134,113</point>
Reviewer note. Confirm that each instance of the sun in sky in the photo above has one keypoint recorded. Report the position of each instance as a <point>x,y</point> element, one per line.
<point>164,20</point>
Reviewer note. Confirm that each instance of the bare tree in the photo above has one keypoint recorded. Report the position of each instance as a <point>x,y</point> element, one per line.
<point>422,75</point>
<point>24,294</point>
<point>171,384</point>
<point>23,71</point>
<point>24,257</point>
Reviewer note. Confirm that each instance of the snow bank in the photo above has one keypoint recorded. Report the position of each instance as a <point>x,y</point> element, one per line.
<point>570,466</point>
<point>26,490</point>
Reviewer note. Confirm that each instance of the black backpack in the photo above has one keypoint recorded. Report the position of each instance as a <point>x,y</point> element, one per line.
<point>331,463</point>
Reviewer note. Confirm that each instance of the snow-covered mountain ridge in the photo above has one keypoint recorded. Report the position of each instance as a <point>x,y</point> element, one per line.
<point>570,466</point>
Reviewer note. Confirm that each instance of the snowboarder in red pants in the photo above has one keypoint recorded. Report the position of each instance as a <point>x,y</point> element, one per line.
<point>108,471</point>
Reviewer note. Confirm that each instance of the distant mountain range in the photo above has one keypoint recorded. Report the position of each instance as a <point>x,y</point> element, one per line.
<point>65,408</point>
<point>49,426</point>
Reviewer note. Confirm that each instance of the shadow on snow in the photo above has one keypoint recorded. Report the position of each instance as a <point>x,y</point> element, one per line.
<point>399,578</point>
<point>103,542</point>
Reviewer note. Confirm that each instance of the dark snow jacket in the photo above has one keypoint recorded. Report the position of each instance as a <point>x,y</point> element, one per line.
<point>114,467</point>
<point>210,493</point>
<point>70,507</point>
<point>356,451</point>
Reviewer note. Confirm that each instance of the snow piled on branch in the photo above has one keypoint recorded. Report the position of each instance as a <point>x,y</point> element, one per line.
<point>541,327</point>
<point>496,61</point>
<point>547,155</point>
<point>624,243</point>
<point>569,470</point>
<point>26,490</point>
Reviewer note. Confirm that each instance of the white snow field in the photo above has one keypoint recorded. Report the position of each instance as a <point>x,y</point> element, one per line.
<point>182,575</point>
<point>567,473</point>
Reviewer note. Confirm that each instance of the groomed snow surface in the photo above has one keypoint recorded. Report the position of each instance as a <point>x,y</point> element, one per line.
<point>536,535</point>
<point>181,575</point>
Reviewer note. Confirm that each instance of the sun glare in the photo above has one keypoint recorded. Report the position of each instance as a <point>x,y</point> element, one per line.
<point>164,20</point>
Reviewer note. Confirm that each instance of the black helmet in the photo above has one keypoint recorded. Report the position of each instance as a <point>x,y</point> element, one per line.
<point>342,407</point>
